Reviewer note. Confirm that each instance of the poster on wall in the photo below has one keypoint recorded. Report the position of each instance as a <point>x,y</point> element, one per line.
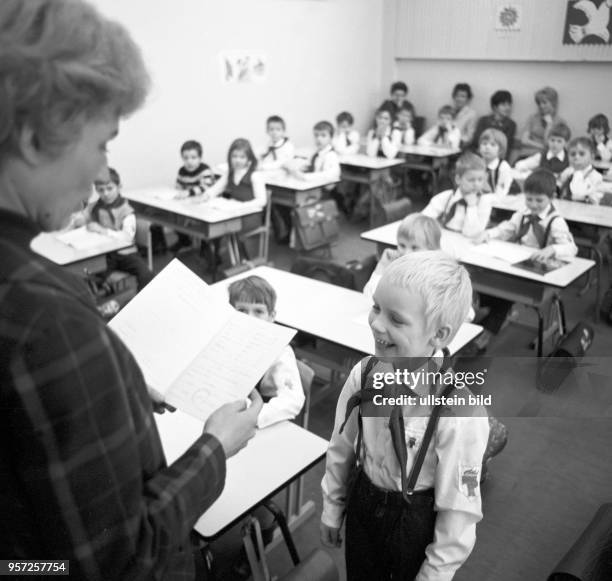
<point>242,66</point>
<point>588,22</point>
<point>508,17</point>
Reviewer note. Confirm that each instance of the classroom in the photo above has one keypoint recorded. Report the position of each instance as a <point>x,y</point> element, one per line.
<point>410,201</point>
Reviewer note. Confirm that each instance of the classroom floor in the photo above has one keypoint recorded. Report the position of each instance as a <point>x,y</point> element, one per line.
<point>542,490</point>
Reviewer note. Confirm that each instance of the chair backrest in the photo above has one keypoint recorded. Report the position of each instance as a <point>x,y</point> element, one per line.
<point>418,123</point>
<point>306,376</point>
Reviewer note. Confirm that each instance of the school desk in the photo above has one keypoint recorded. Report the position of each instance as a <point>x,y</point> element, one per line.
<point>273,459</point>
<point>599,216</point>
<point>602,166</point>
<point>495,276</point>
<point>362,169</point>
<point>77,260</point>
<point>204,220</point>
<point>329,312</point>
<point>428,158</point>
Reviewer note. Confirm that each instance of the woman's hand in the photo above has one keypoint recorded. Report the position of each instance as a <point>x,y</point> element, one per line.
<point>330,537</point>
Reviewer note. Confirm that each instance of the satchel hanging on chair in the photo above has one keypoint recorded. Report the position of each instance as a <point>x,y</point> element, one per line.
<point>316,225</point>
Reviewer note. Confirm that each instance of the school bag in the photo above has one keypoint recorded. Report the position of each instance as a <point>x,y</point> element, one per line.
<point>325,271</point>
<point>315,225</point>
<point>566,355</point>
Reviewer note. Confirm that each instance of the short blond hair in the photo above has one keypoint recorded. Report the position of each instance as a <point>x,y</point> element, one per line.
<point>422,230</point>
<point>495,136</point>
<point>469,162</point>
<point>442,283</point>
<point>62,64</point>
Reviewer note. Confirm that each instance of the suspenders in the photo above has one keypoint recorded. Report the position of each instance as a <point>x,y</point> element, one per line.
<point>396,424</point>
<point>525,225</point>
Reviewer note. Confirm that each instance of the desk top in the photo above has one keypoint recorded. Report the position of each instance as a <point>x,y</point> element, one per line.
<point>367,162</point>
<point>468,253</point>
<point>275,456</point>
<point>428,150</point>
<point>214,211</point>
<point>337,314</point>
<point>577,212</point>
<point>48,245</point>
<point>276,179</point>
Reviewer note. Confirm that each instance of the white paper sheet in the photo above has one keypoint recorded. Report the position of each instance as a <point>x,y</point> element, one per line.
<point>192,346</point>
<point>509,253</point>
<point>82,239</point>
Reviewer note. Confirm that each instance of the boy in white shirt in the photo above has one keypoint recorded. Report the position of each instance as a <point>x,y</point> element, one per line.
<point>466,209</point>
<point>553,158</point>
<point>581,182</point>
<point>346,139</point>
<point>492,148</point>
<point>280,387</point>
<point>420,527</point>
<point>403,131</point>
<point>280,149</point>
<point>444,133</point>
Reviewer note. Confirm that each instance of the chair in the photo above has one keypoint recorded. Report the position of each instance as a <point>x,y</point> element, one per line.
<point>262,231</point>
<point>317,566</point>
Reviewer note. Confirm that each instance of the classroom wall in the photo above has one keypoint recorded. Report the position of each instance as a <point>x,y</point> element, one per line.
<point>319,63</point>
<point>584,87</point>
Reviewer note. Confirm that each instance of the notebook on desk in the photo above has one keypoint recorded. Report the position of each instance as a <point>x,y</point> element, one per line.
<point>541,268</point>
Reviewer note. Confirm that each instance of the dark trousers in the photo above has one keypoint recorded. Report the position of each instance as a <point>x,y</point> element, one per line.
<point>386,537</point>
<point>132,264</point>
<point>499,312</point>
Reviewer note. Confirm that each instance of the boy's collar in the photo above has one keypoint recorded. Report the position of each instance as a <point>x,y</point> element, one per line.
<point>560,156</point>
<point>280,142</point>
<point>325,149</point>
<point>585,171</point>
<point>494,164</point>
<point>544,213</point>
<point>114,204</point>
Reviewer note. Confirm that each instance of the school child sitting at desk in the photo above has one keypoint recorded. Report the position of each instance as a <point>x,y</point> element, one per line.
<point>346,139</point>
<point>113,216</point>
<point>415,232</point>
<point>444,133</point>
<point>398,92</point>
<point>466,209</point>
<point>324,164</point>
<point>540,226</point>
<point>280,149</point>
<point>598,130</point>
<point>581,182</point>
<point>554,158</point>
<point>380,141</point>
<point>403,131</point>
<point>280,387</point>
<point>492,148</point>
<point>406,519</point>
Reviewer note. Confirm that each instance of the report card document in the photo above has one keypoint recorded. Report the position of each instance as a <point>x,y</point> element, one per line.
<point>193,348</point>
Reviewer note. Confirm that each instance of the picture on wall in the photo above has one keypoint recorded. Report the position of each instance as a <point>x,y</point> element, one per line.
<point>242,66</point>
<point>588,22</point>
<point>508,17</point>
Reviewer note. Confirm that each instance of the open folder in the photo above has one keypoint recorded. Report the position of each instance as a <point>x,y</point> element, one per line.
<point>193,348</point>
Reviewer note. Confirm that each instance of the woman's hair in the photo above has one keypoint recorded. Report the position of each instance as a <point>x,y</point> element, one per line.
<point>465,88</point>
<point>550,95</point>
<point>62,64</point>
<point>241,144</point>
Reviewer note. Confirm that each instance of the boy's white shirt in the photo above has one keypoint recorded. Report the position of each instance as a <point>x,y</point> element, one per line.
<point>584,182</point>
<point>284,153</point>
<point>127,233</point>
<point>452,138</point>
<point>605,150</point>
<point>469,221</point>
<point>389,148</point>
<point>401,137</point>
<point>560,235</point>
<point>285,376</point>
<point>340,146</point>
<point>326,166</point>
<point>504,176</point>
<point>458,445</point>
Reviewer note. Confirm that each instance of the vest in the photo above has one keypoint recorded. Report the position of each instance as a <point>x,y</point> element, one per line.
<point>554,164</point>
<point>243,190</point>
<point>111,215</point>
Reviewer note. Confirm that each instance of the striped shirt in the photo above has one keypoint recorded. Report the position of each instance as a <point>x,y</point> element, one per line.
<point>195,181</point>
<point>84,476</point>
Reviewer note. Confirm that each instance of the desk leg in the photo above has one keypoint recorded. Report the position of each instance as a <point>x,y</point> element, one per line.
<point>150,248</point>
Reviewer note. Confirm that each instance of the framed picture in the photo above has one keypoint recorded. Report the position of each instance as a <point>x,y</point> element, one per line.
<point>243,66</point>
<point>588,22</point>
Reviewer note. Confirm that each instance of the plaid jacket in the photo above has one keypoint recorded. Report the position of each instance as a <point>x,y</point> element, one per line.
<point>82,472</point>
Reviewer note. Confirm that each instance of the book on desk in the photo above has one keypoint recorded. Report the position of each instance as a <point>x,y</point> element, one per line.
<point>195,351</point>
